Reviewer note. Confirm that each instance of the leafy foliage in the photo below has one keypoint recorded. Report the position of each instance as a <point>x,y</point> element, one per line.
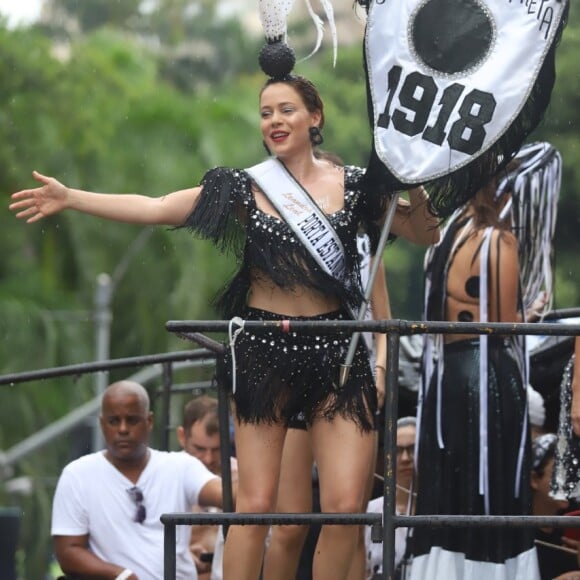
<point>92,14</point>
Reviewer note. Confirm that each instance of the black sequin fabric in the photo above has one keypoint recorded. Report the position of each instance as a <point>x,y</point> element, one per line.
<point>566,477</point>
<point>282,376</point>
<point>265,246</point>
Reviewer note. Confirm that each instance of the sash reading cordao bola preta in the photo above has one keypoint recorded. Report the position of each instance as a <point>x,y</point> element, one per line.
<point>302,214</point>
<point>453,89</point>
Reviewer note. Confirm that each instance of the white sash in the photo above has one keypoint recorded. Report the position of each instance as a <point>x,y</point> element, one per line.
<point>302,214</point>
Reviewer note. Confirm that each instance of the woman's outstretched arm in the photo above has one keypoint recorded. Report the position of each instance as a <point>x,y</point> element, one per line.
<point>52,197</point>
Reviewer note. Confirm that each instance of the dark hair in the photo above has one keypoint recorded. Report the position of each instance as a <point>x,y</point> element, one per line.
<point>485,208</point>
<point>486,204</point>
<point>307,91</point>
<point>329,156</point>
<point>201,408</point>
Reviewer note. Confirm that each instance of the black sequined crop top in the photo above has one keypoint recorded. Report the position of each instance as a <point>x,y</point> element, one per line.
<point>265,246</point>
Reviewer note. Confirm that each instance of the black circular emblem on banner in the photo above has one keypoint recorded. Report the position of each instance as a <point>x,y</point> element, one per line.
<point>452,36</point>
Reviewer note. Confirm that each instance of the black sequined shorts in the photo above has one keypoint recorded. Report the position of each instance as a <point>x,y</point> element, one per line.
<point>281,376</point>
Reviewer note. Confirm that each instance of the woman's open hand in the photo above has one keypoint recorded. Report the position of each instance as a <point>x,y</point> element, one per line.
<point>34,204</point>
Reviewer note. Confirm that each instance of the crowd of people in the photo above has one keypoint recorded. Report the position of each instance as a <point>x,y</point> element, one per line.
<point>292,408</point>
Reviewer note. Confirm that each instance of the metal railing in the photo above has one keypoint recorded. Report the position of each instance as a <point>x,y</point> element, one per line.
<point>156,364</point>
<point>383,528</point>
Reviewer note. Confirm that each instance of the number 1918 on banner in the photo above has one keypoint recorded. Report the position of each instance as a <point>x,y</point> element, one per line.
<point>418,95</point>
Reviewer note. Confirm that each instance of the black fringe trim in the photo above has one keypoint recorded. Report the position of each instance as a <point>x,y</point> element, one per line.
<point>216,216</point>
<point>282,376</point>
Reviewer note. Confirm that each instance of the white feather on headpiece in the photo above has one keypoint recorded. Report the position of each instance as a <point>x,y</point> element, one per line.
<point>329,12</point>
<point>274,16</point>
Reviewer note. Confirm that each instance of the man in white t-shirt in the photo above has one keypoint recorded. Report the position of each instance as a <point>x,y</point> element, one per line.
<point>107,505</point>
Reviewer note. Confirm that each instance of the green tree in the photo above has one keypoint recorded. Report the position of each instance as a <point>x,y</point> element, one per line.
<point>561,129</point>
<point>195,46</point>
<point>92,14</point>
<point>100,120</point>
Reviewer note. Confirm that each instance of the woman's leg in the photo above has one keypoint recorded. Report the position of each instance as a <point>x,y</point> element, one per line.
<point>344,456</point>
<point>357,569</point>
<point>259,452</point>
<point>294,496</point>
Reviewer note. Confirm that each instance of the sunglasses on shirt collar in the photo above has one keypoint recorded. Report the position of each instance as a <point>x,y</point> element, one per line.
<point>136,495</point>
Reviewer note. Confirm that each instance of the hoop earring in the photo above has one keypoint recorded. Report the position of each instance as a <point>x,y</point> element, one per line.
<point>316,137</point>
<point>266,148</point>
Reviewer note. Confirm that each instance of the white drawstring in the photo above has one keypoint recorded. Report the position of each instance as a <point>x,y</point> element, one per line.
<point>233,335</point>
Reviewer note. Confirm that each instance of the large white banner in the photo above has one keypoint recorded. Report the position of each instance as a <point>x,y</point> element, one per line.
<point>448,77</point>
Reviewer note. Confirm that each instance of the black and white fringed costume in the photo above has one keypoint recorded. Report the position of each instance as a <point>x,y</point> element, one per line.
<point>281,375</point>
<point>474,448</point>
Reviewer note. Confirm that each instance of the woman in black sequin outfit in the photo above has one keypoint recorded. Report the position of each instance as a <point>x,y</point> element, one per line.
<point>278,375</point>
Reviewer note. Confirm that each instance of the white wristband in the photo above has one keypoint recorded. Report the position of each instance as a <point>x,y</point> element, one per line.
<point>126,573</point>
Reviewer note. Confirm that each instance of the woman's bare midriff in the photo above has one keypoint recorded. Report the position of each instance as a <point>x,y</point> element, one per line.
<point>300,301</point>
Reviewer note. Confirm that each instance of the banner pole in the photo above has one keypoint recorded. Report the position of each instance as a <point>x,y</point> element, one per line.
<point>346,366</point>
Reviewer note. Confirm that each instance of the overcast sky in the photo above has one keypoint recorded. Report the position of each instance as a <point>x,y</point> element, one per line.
<point>20,11</point>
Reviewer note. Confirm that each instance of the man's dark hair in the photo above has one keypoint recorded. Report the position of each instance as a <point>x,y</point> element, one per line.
<point>203,408</point>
